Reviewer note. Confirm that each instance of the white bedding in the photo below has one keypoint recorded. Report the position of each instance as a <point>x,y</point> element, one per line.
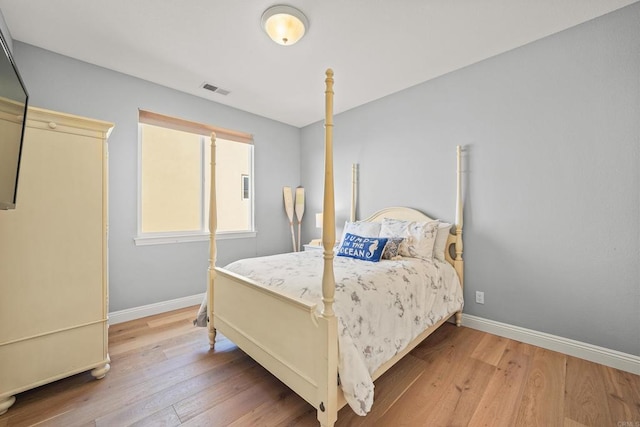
<point>381,307</point>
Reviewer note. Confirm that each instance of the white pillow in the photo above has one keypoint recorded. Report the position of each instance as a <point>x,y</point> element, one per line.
<point>419,237</point>
<point>441,241</point>
<point>360,228</point>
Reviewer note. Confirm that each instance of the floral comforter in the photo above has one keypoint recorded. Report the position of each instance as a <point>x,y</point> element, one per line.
<point>381,306</point>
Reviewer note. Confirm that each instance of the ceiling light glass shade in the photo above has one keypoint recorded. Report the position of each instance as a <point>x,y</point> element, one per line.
<point>284,24</point>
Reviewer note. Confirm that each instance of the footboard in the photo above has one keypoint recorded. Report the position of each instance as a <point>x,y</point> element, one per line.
<point>286,335</point>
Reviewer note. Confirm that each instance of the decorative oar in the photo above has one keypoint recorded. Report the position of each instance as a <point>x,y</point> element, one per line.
<point>288,207</point>
<point>299,211</point>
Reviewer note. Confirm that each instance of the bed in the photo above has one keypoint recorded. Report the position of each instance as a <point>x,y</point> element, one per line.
<point>285,317</point>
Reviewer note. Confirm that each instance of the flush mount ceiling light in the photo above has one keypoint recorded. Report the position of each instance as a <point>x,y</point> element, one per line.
<point>284,24</point>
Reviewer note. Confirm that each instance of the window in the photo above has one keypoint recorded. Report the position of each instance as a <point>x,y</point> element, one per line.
<point>245,187</point>
<point>174,181</point>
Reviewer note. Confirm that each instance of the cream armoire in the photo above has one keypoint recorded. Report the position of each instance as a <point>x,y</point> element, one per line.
<point>53,256</point>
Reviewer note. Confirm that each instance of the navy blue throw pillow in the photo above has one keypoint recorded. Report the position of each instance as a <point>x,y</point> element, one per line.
<point>364,248</point>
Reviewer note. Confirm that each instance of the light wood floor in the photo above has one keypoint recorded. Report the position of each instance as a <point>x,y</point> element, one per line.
<point>163,374</point>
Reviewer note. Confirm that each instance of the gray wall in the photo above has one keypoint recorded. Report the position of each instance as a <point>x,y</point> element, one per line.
<point>5,32</point>
<point>141,275</point>
<point>551,134</point>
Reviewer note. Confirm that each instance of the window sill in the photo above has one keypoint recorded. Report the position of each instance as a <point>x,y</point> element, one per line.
<point>164,239</point>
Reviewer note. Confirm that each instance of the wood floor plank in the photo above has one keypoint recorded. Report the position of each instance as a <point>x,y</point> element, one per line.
<point>490,349</point>
<point>461,397</point>
<point>499,404</point>
<point>570,423</point>
<point>177,316</point>
<point>543,398</point>
<point>138,340</point>
<point>623,395</point>
<point>440,340</point>
<point>194,405</point>
<point>305,418</point>
<point>265,390</point>
<point>164,418</point>
<point>120,331</point>
<point>192,346</point>
<point>587,400</point>
<point>388,389</point>
<point>271,414</point>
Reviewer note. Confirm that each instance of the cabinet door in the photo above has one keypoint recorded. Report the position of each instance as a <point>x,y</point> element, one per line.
<point>51,258</point>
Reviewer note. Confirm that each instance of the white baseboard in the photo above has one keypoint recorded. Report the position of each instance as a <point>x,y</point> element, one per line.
<point>615,359</point>
<point>151,309</point>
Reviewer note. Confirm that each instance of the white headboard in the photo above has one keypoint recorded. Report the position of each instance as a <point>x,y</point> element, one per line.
<point>406,214</point>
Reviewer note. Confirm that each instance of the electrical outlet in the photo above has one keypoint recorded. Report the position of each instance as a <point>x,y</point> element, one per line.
<point>479,297</point>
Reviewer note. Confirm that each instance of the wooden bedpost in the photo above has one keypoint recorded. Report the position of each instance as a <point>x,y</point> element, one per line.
<point>354,191</point>
<point>458,263</point>
<point>328,368</point>
<point>329,209</point>
<point>213,224</point>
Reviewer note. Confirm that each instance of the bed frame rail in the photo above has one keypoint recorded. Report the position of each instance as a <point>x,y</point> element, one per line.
<point>272,328</point>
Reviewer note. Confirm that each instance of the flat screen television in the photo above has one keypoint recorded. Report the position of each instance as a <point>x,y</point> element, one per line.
<point>13,113</point>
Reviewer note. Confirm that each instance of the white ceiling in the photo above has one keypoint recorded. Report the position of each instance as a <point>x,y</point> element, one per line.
<point>375,47</point>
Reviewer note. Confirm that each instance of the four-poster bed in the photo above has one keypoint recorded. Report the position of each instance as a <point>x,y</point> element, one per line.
<point>294,339</point>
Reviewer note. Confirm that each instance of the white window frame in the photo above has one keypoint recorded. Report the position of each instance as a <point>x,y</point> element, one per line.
<point>159,238</point>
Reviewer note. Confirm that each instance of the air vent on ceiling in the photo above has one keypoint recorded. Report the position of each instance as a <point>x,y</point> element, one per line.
<point>215,89</point>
